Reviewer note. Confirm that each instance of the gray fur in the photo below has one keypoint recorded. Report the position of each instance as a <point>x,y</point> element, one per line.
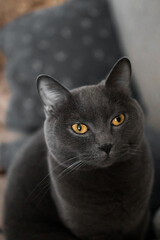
<point>91,193</point>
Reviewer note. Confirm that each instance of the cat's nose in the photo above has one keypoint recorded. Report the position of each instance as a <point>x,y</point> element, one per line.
<point>106,148</point>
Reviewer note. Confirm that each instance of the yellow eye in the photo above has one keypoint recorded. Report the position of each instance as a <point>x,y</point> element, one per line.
<point>79,128</point>
<point>118,120</point>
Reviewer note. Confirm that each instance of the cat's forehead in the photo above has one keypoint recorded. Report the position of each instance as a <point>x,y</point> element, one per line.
<point>91,94</point>
<point>93,102</point>
<point>96,101</point>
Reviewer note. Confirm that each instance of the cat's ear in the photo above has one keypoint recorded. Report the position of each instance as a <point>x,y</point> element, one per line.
<point>119,76</point>
<point>51,92</point>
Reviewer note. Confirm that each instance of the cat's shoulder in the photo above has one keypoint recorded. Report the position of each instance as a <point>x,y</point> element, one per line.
<point>31,158</point>
<point>28,185</point>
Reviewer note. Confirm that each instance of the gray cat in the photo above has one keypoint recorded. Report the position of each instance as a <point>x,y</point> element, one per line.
<point>90,175</point>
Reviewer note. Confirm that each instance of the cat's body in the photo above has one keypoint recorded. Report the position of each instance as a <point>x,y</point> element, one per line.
<point>112,212</point>
<point>100,173</point>
<point>30,192</point>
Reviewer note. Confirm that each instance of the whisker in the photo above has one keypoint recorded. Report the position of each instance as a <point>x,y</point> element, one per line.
<point>47,185</point>
<point>43,184</point>
<point>62,165</point>
<point>44,194</point>
<point>135,153</point>
<point>69,169</point>
<point>45,178</point>
<point>38,185</point>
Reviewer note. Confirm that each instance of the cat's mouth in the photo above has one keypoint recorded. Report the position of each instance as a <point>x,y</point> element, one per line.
<point>103,159</point>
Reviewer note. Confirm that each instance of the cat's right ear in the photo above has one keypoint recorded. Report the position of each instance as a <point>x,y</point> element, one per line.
<point>120,75</point>
<point>51,92</point>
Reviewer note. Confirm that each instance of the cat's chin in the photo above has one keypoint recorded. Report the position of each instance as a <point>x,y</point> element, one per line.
<point>106,162</point>
<point>100,163</point>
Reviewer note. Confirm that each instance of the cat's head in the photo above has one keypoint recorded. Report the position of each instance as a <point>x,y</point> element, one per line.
<point>92,126</point>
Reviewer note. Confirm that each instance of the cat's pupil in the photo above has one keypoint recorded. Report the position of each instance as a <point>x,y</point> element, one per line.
<point>79,127</point>
<point>118,119</point>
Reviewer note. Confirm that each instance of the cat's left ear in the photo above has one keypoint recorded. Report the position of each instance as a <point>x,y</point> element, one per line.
<point>120,75</point>
<point>51,92</point>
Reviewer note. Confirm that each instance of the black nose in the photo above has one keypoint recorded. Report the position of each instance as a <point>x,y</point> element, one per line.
<point>106,148</point>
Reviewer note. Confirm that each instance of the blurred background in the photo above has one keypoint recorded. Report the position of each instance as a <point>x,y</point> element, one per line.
<point>137,25</point>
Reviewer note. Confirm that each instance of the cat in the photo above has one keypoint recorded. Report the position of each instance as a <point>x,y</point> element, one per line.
<point>89,175</point>
<point>90,26</point>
